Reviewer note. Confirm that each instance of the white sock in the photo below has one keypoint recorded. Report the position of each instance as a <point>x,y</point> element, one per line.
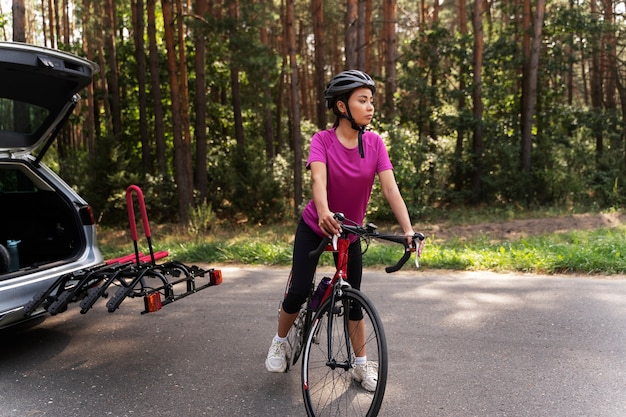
<point>280,339</point>
<point>362,360</point>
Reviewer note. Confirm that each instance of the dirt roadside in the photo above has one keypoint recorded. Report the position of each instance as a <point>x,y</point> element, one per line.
<point>517,229</point>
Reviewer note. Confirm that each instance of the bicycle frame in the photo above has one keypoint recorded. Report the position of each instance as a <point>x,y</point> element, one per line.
<point>343,243</point>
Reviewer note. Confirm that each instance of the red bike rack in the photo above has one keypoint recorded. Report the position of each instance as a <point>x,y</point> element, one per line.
<point>158,284</point>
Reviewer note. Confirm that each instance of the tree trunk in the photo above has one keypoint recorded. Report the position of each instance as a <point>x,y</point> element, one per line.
<point>200,126</point>
<point>621,88</point>
<point>390,41</point>
<point>529,84</point>
<point>52,14</point>
<point>294,102</point>
<point>596,84</point>
<point>113,72</point>
<point>66,23</point>
<point>367,49</point>
<point>19,21</point>
<point>477,145</point>
<point>44,22</point>
<point>187,161</point>
<point>137,7</point>
<point>184,192</point>
<point>155,87</point>
<point>351,33</point>
<point>57,20</point>
<point>268,126</point>
<point>89,132</point>
<point>319,75</point>
<point>609,70</point>
<point>457,178</point>
<point>233,9</point>
<point>104,90</point>
<point>570,67</point>
<point>360,35</point>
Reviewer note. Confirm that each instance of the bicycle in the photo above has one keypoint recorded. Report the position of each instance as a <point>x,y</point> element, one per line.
<point>325,336</point>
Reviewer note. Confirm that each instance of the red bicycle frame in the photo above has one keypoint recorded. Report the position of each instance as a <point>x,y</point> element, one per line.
<point>343,244</point>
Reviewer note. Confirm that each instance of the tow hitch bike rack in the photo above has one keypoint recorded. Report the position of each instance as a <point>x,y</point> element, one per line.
<point>134,275</point>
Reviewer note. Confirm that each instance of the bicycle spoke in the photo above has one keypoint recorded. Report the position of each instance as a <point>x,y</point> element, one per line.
<point>329,385</point>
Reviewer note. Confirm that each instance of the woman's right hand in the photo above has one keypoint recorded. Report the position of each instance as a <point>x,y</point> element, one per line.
<point>329,225</point>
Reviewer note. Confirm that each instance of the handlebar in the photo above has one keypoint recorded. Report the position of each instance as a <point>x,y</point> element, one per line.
<point>321,248</point>
<point>369,231</point>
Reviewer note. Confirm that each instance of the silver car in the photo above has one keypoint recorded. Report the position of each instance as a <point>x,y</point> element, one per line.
<point>46,230</point>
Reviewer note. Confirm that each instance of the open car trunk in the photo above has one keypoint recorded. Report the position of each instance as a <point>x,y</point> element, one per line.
<point>41,223</point>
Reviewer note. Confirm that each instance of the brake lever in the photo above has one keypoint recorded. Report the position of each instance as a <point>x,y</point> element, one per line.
<point>418,238</point>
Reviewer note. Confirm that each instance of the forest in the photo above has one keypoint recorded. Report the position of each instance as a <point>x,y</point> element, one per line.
<point>209,105</point>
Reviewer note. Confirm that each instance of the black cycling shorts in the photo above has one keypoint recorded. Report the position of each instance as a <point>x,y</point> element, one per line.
<point>303,268</point>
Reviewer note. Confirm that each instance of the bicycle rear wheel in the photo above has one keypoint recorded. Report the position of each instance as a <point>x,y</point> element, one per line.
<point>328,386</point>
<point>299,328</point>
<point>296,335</point>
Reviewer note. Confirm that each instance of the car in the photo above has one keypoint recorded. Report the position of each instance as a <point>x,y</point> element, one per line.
<point>47,229</point>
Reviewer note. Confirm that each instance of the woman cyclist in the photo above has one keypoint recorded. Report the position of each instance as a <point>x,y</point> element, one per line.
<point>343,162</point>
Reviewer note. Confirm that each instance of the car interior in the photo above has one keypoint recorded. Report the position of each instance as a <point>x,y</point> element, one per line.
<point>37,222</point>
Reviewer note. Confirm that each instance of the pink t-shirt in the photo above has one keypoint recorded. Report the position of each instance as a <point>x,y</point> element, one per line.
<point>350,177</point>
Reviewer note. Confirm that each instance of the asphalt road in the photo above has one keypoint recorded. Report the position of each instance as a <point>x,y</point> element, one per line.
<point>460,344</point>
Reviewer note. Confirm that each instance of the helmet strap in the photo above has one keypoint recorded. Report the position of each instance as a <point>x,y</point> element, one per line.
<point>356,127</point>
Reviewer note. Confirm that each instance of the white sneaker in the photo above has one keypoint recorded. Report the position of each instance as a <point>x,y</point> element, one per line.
<point>367,375</point>
<point>277,357</point>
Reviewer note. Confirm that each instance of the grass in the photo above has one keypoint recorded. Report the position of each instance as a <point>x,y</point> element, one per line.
<point>598,251</point>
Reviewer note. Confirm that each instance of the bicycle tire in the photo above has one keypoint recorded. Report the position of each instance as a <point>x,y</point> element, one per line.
<point>295,337</point>
<point>330,390</point>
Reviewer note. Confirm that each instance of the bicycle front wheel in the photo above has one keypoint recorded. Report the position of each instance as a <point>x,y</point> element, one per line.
<point>331,386</point>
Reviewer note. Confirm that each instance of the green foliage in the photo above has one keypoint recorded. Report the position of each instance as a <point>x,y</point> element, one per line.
<point>430,136</point>
<point>201,219</point>
<point>414,163</point>
<point>4,21</point>
<point>597,251</point>
<point>249,189</point>
<point>565,165</point>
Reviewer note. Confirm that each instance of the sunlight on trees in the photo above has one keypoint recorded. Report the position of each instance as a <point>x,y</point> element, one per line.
<point>520,103</point>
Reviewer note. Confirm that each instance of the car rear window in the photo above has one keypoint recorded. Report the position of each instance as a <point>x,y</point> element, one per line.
<point>20,117</point>
<point>15,181</point>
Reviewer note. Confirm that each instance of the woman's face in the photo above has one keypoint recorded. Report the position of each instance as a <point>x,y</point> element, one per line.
<point>361,105</point>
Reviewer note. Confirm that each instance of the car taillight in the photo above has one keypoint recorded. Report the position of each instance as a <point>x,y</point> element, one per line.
<point>86,215</point>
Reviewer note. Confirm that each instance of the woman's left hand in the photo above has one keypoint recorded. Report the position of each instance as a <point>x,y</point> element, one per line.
<point>420,243</point>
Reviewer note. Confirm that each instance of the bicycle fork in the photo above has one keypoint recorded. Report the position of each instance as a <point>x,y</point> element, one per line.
<point>339,311</point>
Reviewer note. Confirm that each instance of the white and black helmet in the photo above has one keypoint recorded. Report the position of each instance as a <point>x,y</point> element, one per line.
<point>345,82</point>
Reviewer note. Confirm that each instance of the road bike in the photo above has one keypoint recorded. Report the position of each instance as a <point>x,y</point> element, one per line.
<point>329,341</point>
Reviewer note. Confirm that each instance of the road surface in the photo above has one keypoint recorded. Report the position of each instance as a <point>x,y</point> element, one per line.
<point>460,345</point>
